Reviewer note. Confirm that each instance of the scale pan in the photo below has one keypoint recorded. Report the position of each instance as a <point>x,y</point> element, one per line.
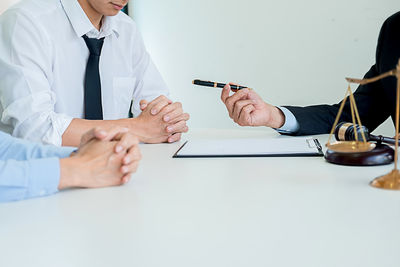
<point>351,146</point>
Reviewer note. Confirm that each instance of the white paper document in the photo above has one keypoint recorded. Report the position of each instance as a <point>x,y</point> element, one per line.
<point>266,147</point>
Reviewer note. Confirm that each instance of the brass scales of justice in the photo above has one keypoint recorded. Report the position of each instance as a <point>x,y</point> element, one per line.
<point>363,147</point>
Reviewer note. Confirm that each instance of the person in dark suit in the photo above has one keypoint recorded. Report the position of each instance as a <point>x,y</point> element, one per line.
<point>375,101</point>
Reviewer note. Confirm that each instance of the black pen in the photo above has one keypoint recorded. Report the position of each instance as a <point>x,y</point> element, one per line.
<point>234,88</point>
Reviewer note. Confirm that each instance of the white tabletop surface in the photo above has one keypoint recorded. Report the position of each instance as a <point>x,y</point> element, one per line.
<point>212,212</point>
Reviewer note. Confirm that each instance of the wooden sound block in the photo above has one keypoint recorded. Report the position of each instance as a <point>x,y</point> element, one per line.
<point>380,155</point>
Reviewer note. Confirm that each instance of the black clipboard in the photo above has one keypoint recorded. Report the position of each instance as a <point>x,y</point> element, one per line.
<point>318,153</point>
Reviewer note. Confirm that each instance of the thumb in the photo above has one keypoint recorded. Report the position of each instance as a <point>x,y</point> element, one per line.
<point>95,133</point>
<point>143,104</point>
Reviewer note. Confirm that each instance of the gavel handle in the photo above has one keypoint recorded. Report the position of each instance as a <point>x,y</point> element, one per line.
<point>382,139</point>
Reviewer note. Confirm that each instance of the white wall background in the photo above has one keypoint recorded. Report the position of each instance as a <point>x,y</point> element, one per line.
<point>4,4</point>
<point>291,52</point>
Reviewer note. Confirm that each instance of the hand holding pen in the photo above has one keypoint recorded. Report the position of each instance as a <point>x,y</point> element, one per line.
<point>246,107</point>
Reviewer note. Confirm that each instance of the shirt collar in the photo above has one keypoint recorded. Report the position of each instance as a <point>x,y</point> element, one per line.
<point>81,23</point>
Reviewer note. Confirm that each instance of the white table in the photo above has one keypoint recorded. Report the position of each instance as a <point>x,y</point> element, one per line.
<point>212,212</point>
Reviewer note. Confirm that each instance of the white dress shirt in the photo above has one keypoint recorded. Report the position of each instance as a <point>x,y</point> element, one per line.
<point>43,60</point>
<point>291,124</point>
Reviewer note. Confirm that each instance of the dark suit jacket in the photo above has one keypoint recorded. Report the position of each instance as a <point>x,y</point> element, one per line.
<point>375,101</point>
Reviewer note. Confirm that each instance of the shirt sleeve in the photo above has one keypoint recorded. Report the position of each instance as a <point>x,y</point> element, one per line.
<point>28,170</point>
<point>149,83</point>
<point>26,64</point>
<point>27,179</point>
<point>18,149</point>
<point>291,124</point>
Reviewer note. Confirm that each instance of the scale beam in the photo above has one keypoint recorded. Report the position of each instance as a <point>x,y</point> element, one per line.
<point>371,80</point>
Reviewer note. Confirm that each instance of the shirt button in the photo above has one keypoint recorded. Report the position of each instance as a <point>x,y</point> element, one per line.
<point>43,192</point>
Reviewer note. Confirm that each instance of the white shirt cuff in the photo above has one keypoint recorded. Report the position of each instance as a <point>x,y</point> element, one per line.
<point>60,123</point>
<point>291,124</point>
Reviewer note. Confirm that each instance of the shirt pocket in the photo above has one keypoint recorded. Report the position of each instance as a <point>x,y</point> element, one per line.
<point>123,93</point>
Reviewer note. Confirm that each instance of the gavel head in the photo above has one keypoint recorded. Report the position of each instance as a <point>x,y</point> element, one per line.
<point>344,131</point>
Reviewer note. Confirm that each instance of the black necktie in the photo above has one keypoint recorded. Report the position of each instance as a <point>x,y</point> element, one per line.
<point>92,95</point>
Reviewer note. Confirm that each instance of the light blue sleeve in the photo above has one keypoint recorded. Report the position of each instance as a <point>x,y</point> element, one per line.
<point>19,149</point>
<point>28,170</point>
<point>291,124</point>
<point>29,178</point>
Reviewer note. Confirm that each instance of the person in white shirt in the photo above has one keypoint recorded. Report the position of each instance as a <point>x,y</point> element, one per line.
<point>67,66</point>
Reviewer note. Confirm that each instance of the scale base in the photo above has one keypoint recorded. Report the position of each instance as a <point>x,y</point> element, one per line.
<point>389,181</point>
<point>380,155</point>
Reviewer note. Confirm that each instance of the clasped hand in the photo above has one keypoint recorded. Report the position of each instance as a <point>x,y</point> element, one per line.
<point>104,158</point>
<point>163,120</point>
